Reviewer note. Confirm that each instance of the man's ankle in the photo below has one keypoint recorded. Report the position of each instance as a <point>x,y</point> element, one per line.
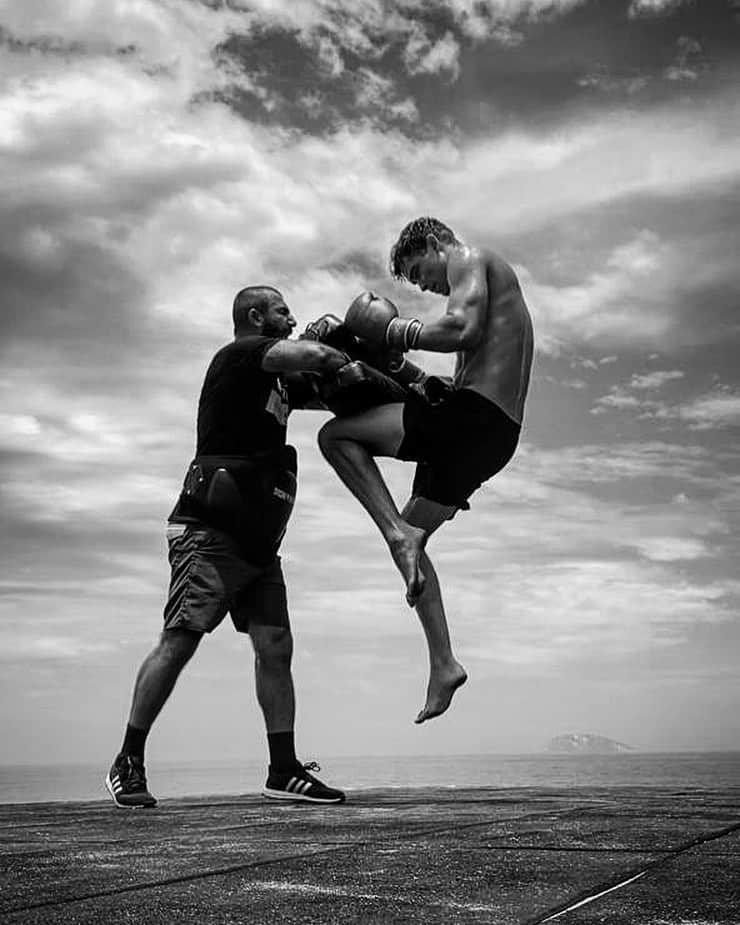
<point>282,751</point>
<point>134,742</point>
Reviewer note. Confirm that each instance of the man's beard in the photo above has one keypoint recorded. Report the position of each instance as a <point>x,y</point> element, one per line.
<point>274,330</point>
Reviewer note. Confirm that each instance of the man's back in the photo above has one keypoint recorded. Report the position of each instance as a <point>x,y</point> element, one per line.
<point>498,367</point>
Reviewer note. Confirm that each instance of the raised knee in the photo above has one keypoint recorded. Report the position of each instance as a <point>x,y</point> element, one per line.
<point>326,437</point>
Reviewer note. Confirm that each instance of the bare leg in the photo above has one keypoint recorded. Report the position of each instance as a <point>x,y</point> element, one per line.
<point>158,674</point>
<point>349,445</point>
<point>446,674</point>
<point>273,650</point>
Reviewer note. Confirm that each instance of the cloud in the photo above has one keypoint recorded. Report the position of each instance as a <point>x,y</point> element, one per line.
<point>630,395</point>
<point>672,549</point>
<point>140,188</point>
<point>717,409</point>
<point>674,489</point>
<point>375,92</point>
<point>608,307</point>
<point>688,63</point>
<point>52,648</point>
<point>589,609</point>
<point>655,379</point>
<point>639,8</point>
<point>582,552</point>
<point>492,19</point>
<point>425,57</point>
<point>602,80</point>
<point>195,199</point>
<point>713,410</point>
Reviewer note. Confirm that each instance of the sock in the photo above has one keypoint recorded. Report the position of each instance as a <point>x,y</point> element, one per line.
<point>282,750</point>
<point>134,742</point>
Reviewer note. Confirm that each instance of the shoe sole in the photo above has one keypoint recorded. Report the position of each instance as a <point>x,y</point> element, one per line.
<point>111,791</point>
<point>297,797</point>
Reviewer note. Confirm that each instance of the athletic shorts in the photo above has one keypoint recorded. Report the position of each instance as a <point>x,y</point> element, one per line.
<point>210,578</point>
<point>458,443</point>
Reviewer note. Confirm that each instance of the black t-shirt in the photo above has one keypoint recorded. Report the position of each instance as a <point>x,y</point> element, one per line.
<point>242,412</point>
<point>242,409</point>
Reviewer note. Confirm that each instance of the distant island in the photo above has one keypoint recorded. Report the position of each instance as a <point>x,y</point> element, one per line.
<point>583,743</point>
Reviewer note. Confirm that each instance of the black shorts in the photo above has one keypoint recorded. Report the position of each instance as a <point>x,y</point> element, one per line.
<point>210,578</point>
<point>459,444</point>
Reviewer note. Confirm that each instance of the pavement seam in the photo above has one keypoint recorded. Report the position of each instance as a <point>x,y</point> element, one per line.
<point>236,868</point>
<point>667,857</point>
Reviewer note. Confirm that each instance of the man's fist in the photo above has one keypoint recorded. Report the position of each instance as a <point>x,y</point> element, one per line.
<point>321,328</point>
<point>330,330</point>
<point>375,320</point>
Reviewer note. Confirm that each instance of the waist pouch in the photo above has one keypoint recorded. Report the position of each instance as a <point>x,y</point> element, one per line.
<point>250,498</point>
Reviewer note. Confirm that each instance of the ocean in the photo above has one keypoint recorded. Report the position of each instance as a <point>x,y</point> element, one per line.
<point>682,771</point>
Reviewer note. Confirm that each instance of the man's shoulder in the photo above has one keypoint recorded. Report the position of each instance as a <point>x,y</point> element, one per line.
<point>468,258</point>
<point>249,346</point>
<point>496,267</point>
<point>248,342</point>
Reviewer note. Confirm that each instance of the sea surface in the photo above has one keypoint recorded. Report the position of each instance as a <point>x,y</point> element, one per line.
<point>683,771</point>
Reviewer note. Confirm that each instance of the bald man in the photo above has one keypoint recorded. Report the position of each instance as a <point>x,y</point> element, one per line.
<point>224,535</point>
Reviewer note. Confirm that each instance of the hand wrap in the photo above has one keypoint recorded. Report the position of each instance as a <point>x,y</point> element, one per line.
<point>403,334</point>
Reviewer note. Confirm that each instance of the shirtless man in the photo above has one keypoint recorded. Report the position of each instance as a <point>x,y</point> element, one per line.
<point>459,438</point>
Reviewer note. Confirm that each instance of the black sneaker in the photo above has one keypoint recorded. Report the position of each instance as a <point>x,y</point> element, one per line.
<point>299,785</point>
<point>126,783</point>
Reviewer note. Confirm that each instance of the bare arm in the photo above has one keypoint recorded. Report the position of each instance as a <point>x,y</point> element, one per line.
<point>295,356</point>
<point>461,327</point>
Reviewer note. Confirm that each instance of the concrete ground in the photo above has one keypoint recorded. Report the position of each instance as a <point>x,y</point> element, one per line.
<point>622,856</point>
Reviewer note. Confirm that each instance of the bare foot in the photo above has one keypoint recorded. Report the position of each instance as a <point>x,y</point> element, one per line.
<point>440,690</point>
<point>406,551</point>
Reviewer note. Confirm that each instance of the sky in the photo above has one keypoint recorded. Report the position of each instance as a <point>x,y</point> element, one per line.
<point>155,157</point>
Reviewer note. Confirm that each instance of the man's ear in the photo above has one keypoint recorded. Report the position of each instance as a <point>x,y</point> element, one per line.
<point>256,317</point>
<point>433,243</point>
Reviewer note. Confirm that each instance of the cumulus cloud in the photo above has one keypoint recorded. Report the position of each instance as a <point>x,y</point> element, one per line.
<point>375,92</point>
<point>480,19</point>
<point>423,56</point>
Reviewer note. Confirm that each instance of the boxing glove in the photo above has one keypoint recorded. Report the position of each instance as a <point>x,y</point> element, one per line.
<point>322,328</point>
<point>330,330</point>
<point>356,387</point>
<point>375,320</point>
